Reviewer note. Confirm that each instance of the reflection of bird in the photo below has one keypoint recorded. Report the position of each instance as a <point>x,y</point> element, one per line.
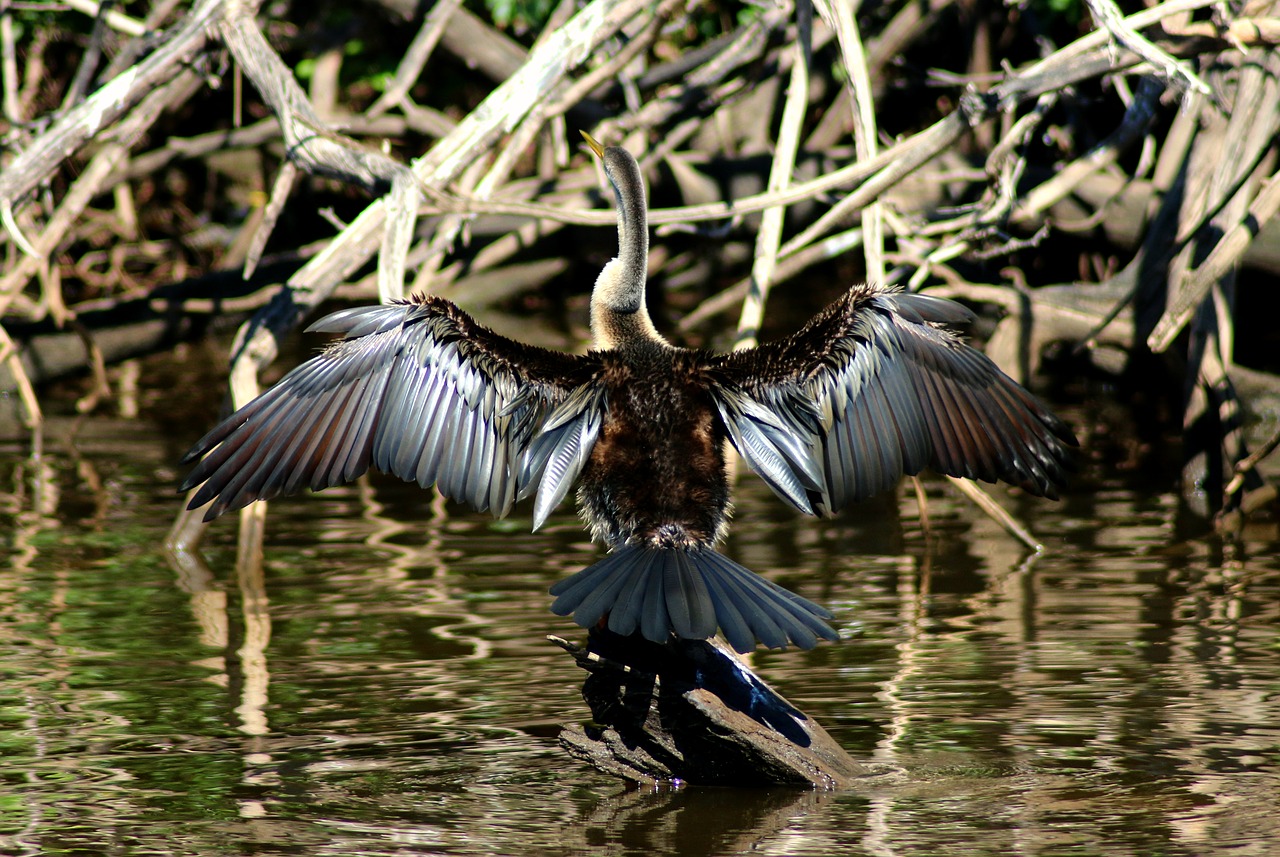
<point>871,388</point>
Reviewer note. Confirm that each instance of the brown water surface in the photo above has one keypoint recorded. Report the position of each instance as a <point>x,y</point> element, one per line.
<point>385,686</point>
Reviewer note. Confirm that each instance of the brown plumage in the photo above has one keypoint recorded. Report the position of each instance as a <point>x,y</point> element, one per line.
<point>874,386</point>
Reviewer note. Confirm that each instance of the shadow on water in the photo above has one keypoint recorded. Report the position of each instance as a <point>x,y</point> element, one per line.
<point>382,685</point>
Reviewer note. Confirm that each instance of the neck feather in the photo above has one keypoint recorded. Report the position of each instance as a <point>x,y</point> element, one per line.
<point>618,313</point>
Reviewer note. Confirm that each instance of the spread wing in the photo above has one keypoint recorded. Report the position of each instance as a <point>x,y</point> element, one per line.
<point>874,387</point>
<point>417,389</point>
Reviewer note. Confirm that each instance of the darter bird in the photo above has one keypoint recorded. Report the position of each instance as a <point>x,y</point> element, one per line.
<point>875,386</point>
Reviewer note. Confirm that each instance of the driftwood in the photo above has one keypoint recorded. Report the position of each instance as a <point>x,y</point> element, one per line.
<point>692,712</point>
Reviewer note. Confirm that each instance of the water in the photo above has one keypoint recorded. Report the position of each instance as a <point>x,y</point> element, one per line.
<point>385,687</point>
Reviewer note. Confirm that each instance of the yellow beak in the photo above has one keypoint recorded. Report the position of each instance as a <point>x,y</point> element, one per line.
<point>595,147</point>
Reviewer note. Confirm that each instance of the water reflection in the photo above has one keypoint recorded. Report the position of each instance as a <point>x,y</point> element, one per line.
<point>378,682</point>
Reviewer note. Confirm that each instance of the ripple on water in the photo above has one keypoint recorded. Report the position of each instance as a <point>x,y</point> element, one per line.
<point>385,686</point>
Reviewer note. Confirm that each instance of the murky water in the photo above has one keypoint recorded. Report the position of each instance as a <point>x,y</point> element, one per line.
<point>384,686</point>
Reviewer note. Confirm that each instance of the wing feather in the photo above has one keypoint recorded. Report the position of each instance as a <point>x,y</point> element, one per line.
<point>874,387</point>
<point>340,436</point>
<point>418,389</point>
<point>562,448</point>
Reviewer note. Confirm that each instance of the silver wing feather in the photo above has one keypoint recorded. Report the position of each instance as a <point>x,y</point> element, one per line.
<point>417,389</point>
<point>875,387</point>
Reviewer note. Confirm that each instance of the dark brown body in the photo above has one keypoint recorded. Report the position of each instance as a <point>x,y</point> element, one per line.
<point>656,475</point>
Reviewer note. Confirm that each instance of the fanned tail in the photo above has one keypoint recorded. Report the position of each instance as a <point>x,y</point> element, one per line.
<point>689,592</point>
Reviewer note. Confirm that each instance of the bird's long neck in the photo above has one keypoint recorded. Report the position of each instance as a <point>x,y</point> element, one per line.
<point>618,313</point>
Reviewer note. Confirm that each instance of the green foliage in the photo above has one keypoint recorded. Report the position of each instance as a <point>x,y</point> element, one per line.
<point>522,13</point>
<point>366,67</point>
<point>1070,10</point>
<point>27,20</point>
<point>748,13</point>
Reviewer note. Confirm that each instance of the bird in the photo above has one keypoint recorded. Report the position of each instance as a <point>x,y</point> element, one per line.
<point>876,385</point>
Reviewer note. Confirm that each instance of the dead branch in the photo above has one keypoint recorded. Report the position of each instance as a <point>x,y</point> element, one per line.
<point>82,123</point>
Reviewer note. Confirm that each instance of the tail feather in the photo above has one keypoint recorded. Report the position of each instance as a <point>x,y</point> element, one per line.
<point>597,592</point>
<point>689,604</point>
<point>624,617</point>
<point>655,621</point>
<point>689,593</point>
<point>799,617</point>
<point>733,623</point>
<point>795,621</point>
<point>758,624</point>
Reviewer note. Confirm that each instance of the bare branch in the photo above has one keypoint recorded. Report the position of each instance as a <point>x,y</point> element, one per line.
<point>784,159</point>
<point>79,125</point>
<point>1108,16</point>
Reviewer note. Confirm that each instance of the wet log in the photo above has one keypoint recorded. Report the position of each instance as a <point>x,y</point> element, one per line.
<point>691,711</point>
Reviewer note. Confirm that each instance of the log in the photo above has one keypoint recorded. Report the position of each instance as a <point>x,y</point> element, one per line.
<point>691,711</point>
